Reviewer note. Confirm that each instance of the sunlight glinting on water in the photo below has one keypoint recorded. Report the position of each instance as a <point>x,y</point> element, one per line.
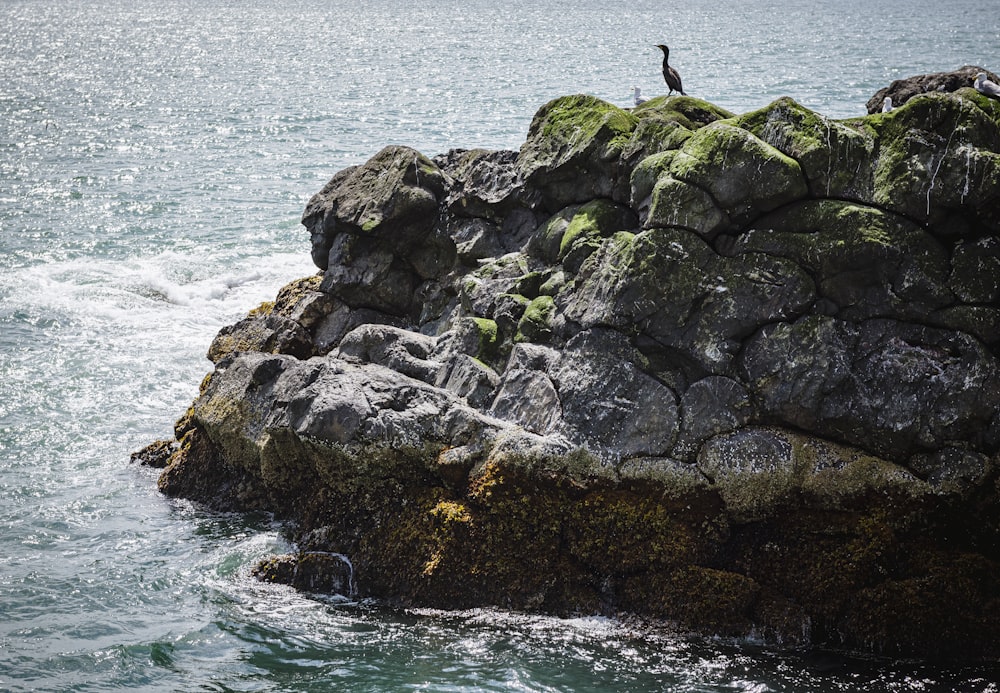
<point>155,158</point>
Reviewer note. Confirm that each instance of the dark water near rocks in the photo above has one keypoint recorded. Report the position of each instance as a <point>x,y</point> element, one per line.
<point>154,160</point>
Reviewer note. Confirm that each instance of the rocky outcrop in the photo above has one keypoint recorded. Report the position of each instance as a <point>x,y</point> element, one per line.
<point>902,90</point>
<point>736,372</point>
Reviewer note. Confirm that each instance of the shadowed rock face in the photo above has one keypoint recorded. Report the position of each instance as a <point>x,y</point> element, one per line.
<point>737,372</point>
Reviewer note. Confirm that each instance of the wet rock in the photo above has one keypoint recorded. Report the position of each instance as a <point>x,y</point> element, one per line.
<point>311,571</point>
<point>156,454</point>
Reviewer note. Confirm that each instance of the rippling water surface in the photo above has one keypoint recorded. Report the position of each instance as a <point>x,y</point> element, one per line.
<point>154,160</point>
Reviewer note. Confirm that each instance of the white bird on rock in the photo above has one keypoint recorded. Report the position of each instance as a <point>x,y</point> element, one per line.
<point>637,96</point>
<point>985,86</point>
<point>887,104</point>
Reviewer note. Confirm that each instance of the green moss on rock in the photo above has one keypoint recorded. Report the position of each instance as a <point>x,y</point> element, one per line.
<point>573,150</point>
<point>937,153</point>
<point>835,157</point>
<point>744,175</point>
<point>866,260</point>
<point>535,324</point>
<point>689,112</point>
<point>489,340</point>
<point>579,119</point>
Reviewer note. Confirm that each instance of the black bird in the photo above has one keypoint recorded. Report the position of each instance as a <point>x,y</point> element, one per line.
<point>670,74</point>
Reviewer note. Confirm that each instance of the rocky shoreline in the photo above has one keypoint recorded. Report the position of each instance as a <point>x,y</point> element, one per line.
<point>738,372</point>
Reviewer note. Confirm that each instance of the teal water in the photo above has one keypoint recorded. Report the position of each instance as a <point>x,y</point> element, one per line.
<point>154,160</point>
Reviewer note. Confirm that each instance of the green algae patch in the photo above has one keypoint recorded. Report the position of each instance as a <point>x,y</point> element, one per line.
<point>645,175</point>
<point>744,175</point>
<point>835,157</point>
<point>581,118</point>
<point>938,152</point>
<point>689,112</point>
<point>587,228</point>
<point>488,338</point>
<point>596,219</point>
<point>666,124</point>
<point>620,532</point>
<point>715,601</point>
<point>573,150</point>
<point>676,203</point>
<point>535,324</point>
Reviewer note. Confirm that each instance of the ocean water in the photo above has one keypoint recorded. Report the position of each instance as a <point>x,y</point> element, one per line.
<point>155,157</point>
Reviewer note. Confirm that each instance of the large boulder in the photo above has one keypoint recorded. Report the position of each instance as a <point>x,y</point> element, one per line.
<point>892,388</point>
<point>670,286</point>
<point>372,230</point>
<point>866,262</point>
<point>573,150</point>
<point>835,157</point>
<point>737,372</point>
<point>937,162</point>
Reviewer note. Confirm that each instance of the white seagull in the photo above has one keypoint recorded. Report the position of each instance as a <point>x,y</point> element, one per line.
<point>637,96</point>
<point>887,104</point>
<point>985,86</point>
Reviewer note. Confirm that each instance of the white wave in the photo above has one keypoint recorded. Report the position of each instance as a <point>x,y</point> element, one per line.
<point>143,291</point>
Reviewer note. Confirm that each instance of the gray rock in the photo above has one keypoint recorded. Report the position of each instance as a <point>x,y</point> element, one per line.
<point>268,333</point>
<point>889,387</point>
<point>735,372</point>
<point>484,183</point>
<point>573,149</point>
<point>529,399</point>
<point>401,350</point>
<point>671,286</point>
<point>608,402</point>
<point>902,90</point>
<point>341,319</point>
<point>952,470</point>
<point>364,274</point>
<point>761,472</point>
<point>711,406</point>
<point>470,379</point>
<point>740,174</point>
<point>393,196</point>
<point>867,262</point>
<point>476,239</point>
